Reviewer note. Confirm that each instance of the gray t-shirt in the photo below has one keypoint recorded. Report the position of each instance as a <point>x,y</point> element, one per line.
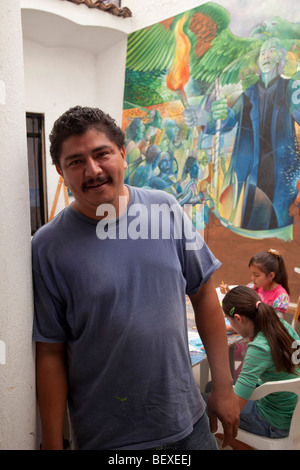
<point>119,304</point>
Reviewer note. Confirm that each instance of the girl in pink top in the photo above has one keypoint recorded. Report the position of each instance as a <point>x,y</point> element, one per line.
<point>269,279</point>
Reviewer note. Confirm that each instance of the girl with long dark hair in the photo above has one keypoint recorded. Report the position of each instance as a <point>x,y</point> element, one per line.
<point>269,357</point>
<point>270,280</point>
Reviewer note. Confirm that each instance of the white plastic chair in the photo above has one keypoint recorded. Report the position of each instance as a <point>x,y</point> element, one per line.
<point>292,442</point>
<point>296,314</point>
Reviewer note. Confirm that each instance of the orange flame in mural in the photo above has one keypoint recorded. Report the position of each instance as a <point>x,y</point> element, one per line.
<point>180,71</point>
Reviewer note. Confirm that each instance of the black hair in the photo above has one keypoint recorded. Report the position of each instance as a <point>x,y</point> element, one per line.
<point>78,120</point>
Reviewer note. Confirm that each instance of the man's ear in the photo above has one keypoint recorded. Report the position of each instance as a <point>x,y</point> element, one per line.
<point>123,153</point>
<point>279,56</point>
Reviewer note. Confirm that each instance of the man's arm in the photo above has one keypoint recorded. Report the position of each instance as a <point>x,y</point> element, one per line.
<point>52,392</point>
<point>210,323</point>
<point>241,402</point>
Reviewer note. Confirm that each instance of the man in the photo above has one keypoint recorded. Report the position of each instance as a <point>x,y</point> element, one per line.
<point>110,321</point>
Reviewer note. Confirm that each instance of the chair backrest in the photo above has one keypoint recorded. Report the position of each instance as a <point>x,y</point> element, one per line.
<point>296,314</point>
<point>293,386</point>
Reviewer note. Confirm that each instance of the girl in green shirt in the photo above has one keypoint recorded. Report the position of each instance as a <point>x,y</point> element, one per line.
<point>269,357</point>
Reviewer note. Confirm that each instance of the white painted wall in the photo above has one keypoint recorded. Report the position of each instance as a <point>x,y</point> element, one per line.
<point>81,14</point>
<point>17,361</point>
<point>147,12</point>
<point>55,80</point>
<point>110,79</point>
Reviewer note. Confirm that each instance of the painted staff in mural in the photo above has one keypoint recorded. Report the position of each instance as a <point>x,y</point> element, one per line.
<point>234,101</point>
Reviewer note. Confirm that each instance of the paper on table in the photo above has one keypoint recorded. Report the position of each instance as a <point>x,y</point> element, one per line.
<point>195,343</point>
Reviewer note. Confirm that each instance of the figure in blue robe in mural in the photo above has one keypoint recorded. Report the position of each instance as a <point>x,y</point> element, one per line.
<point>265,164</point>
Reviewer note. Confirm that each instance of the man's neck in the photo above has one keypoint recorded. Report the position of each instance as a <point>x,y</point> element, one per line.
<point>266,78</point>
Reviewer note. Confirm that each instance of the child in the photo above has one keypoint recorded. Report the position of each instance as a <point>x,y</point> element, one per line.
<point>269,279</point>
<point>268,357</point>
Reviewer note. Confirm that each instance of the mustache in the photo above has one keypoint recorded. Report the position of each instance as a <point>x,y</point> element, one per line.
<point>95,181</point>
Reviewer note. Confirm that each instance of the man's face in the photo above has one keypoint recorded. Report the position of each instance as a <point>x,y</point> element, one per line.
<point>269,57</point>
<point>93,168</point>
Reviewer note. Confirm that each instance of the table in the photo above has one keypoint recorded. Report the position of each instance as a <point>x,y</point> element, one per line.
<point>199,359</point>
<point>197,352</point>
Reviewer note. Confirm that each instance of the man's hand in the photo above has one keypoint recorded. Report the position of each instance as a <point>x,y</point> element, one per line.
<point>223,405</point>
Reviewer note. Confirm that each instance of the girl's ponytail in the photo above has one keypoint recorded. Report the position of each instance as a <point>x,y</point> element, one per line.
<point>282,276</point>
<point>279,340</point>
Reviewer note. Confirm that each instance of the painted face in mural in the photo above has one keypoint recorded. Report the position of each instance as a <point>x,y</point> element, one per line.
<point>194,170</point>
<point>93,168</point>
<point>165,163</point>
<point>269,57</point>
<point>259,278</point>
<point>171,129</point>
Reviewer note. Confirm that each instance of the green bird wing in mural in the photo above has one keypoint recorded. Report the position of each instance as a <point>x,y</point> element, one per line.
<point>151,52</point>
<point>229,58</point>
<point>154,48</point>
<point>151,48</point>
<point>214,51</point>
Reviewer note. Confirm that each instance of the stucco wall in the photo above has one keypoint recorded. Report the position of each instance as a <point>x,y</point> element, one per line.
<point>17,362</point>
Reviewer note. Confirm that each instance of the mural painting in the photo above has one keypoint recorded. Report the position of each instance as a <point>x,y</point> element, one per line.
<point>214,119</point>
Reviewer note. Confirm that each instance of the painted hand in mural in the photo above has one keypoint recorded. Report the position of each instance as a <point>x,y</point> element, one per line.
<point>219,109</point>
<point>195,116</point>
